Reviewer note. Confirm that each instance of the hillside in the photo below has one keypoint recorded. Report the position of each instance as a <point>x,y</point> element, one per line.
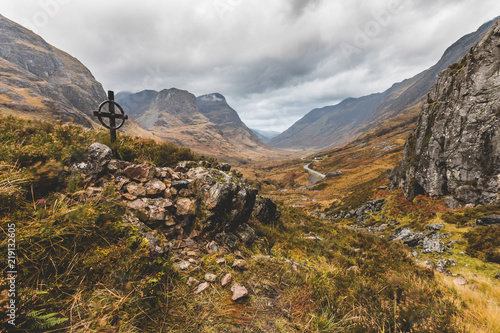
<point>206,124</point>
<point>333,126</point>
<point>40,81</point>
<point>104,233</point>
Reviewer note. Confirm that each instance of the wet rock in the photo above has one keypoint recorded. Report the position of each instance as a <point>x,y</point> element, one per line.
<point>226,279</point>
<point>201,287</point>
<point>155,187</point>
<point>488,220</point>
<point>140,172</point>
<point>238,292</point>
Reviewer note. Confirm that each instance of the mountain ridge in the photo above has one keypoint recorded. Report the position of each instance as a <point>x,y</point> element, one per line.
<point>325,128</point>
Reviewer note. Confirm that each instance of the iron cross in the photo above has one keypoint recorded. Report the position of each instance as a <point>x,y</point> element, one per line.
<point>111,115</point>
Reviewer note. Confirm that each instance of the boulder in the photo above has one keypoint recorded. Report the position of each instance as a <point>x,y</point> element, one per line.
<point>136,189</point>
<point>430,245</point>
<point>155,187</point>
<point>245,233</point>
<point>95,160</point>
<point>140,172</point>
<point>266,211</point>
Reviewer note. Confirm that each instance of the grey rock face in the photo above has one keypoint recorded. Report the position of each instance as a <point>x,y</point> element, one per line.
<point>95,161</point>
<point>266,211</point>
<point>455,147</point>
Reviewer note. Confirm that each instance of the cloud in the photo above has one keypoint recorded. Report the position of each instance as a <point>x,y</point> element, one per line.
<point>274,61</point>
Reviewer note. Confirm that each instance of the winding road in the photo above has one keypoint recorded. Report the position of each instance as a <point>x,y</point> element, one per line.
<point>313,172</point>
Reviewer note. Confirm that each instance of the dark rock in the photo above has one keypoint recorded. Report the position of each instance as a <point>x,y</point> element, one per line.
<point>332,174</point>
<point>245,233</point>
<point>230,240</point>
<point>223,167</point>
<point>488,220</point>
<point>407,236</point>
<point>497,276</point>
<point>435,226</point>
<point>179,184</point>
<point>266,211</point>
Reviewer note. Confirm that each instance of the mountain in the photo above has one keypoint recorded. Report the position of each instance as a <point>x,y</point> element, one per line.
<point>265,136</point>
<point>40,81</point>
<point>455,146</point>
<point>206,124</point>
<point>336,125</point>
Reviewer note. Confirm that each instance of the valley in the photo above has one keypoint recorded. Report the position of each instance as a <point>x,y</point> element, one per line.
<point>378,214</point>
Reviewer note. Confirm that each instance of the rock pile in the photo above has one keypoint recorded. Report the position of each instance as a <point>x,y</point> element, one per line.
<point>430,241</point>
<point>192,201</point>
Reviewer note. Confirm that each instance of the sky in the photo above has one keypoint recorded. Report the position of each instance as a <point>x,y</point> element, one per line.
<point>274,61</point>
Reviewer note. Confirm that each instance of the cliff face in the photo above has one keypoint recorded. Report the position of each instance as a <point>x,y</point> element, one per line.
<point>455,146</point>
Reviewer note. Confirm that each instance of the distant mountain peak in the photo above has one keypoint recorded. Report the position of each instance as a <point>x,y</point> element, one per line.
<point>214,97</point>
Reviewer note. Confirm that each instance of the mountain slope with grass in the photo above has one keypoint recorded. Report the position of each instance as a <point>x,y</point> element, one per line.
<point>39,81</point>
<point>92,258</point>
<point>206,124</point>
<point>336,125</point>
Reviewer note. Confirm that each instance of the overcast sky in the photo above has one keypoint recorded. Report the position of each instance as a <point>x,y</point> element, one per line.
<point>273,60</point>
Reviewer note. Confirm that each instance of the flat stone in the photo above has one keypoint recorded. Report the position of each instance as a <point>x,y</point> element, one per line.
<point>129,196</point>
<point>201,287</point>
<point>191,244</point>
<point>210,277</point>
<point>155,187</point>
<point>226,279</point>
<point>238,292</point>
<point>220,261</point>
<point>136,189</point>
<point>460,281</point>
<point>140,172</point>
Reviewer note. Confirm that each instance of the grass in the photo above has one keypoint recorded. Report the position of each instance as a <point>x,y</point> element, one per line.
<point>84,268</point>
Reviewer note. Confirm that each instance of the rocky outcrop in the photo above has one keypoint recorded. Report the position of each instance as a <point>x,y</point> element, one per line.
<point>188,202</point>
<point>455,146</point>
